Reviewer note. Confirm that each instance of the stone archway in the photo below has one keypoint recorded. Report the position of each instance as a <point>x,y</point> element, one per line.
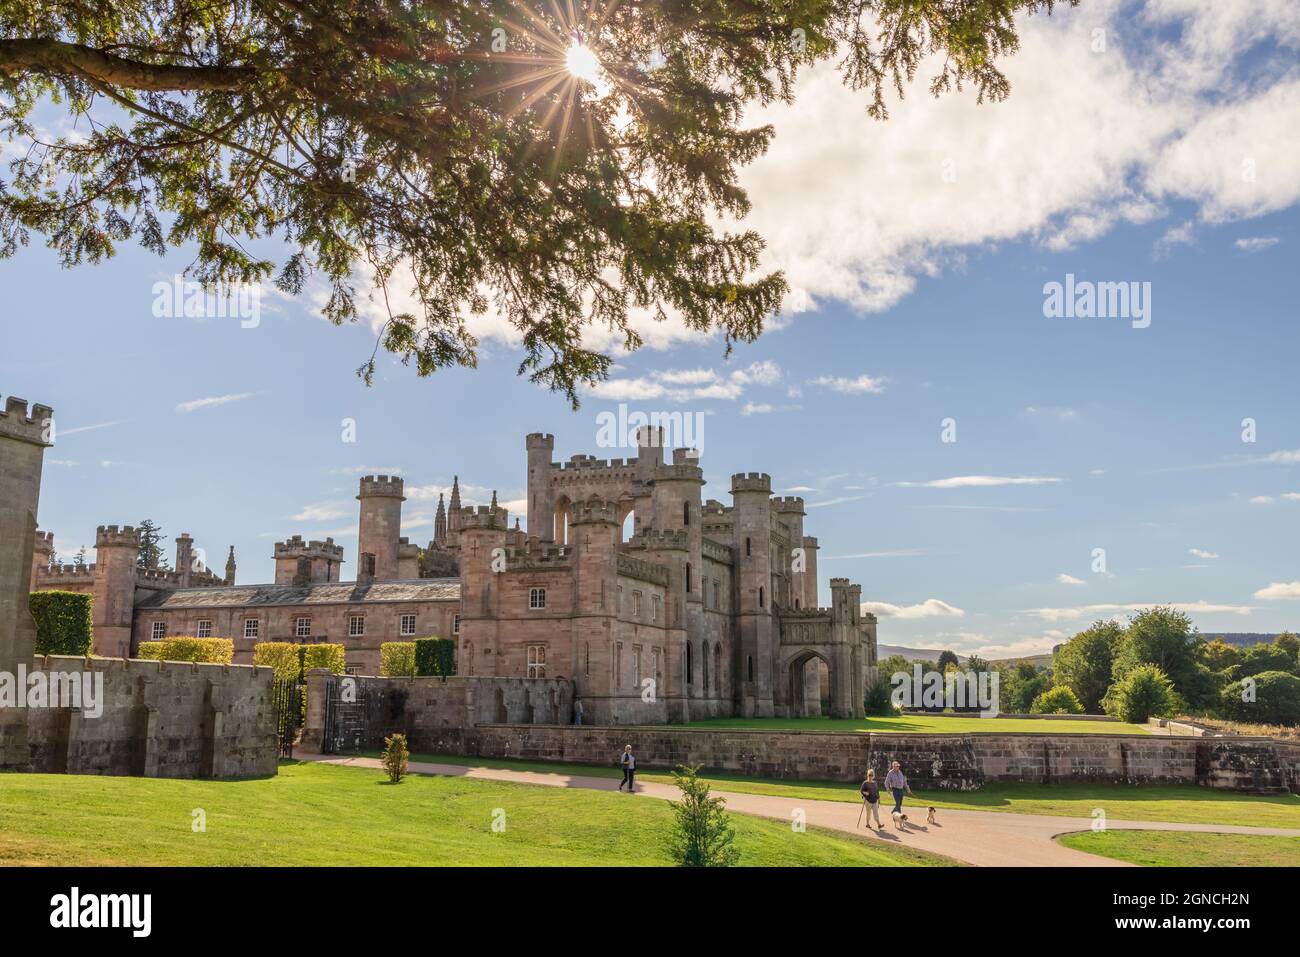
<point>808,676</point>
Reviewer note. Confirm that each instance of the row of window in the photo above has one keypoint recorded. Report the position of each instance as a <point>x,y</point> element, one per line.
<point>301,627</point>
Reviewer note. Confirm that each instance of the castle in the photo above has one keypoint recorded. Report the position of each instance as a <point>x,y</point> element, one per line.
<point>705,610</point>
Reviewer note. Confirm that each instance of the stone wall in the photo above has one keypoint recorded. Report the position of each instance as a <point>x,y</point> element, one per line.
<point>159,719</point>
<point>956,762</point>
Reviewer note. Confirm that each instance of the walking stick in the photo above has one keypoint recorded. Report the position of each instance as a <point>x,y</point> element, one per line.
<point>862,811</point>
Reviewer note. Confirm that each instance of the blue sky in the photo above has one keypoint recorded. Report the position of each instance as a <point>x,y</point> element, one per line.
<point>918,297</point>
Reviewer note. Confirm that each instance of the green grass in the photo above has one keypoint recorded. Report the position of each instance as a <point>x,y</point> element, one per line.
<point>926,724</point>
<point>1172,849</point>
<point>313,814</point>
<point>1174,803</point>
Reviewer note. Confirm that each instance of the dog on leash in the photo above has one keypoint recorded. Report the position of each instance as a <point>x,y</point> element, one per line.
<point>900,820</point>
<point>930,819</point>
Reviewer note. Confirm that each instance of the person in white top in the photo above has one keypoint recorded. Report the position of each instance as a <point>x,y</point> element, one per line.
<point>628,760</point>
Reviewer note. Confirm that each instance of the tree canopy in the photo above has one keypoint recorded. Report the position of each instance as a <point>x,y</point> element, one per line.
<point>448,146</point>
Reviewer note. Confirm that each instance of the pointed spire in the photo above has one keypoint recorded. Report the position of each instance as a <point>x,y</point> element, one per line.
<point>494,500</point>
<point>440,523</point>
<point>453,517</point>
<point>230,567</point>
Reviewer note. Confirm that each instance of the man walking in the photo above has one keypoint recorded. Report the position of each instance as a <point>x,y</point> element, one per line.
<point>629,768</point>
<point>896,781</point>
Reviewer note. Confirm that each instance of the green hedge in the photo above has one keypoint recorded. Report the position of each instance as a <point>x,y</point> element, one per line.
<point>435,656</point>
<point>62,622</point>
<point>219,651</point>
<point>397,659</point>
<point>323,656</point>
<point>282,657</point>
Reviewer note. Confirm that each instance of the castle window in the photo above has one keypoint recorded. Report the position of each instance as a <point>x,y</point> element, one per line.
<point>537,598</point>
<point>747,547</point>
<point>655,658</point>
<point>750,665</point>
<point>586,659</point>
<point>760,596</point>
<point>302,627</point>
<point>356,626</point>
<point>408,625</point>
<point>455,624</point>
<point>158,631</point>
<point>690,671</point>
<point>618,664</point>
<point>537,661</point>
<point>686,513</point>
<point>654,607</point>
<point>688,577</point>
<point>251,626</point>
<point>636,604</point>
<point>636,665</point>
<point>704,667</point>
<point>203,629</point>
<point>717,669</point>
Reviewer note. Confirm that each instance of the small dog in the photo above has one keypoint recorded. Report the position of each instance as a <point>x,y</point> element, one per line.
<point>930,819</point>
<point>900,820</point>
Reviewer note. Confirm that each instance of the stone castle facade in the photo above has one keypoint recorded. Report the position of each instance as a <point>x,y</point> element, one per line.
<point>702,610</point>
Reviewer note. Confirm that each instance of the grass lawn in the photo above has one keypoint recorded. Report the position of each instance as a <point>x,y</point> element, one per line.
<point>1172,849</point>
<point>1175,803</point>
<point>926,724</point>
<point>313,814</point>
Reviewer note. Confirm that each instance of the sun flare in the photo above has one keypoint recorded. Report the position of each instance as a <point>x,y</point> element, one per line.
<point>582,63</point>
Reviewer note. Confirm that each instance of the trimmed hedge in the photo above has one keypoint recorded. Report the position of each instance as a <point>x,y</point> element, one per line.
<point>62,622</point>
<point>323,656</point>
<point>397,659</point>
<point>282,657</point>
<point>220,651</point>
<point>435,656</point>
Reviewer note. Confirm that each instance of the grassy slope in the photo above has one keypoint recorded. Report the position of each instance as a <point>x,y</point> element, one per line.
<point>321,815</point>
<point>1185,804</point>
<point>927,724</point>
<point>1172,849</point>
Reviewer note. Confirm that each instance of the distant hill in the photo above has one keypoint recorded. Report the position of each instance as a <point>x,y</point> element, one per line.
<point>932,654</point>
<point>1242,639</point>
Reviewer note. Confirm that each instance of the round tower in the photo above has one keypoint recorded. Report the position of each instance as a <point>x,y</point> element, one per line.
<point>751,494</point>
<point>381,501</point>
<point>116,552</point>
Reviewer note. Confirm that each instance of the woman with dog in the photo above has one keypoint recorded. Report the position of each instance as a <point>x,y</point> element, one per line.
<point>871,794</point>
<point>896,781</point>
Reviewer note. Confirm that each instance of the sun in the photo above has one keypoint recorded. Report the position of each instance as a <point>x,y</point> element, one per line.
<point>582,63</point>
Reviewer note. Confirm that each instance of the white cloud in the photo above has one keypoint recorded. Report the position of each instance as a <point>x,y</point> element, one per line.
<point>1280,591</point>
<point>1201,553</point>
<point>930,608</point>
<point>64,433</point>
<point>212,401</point>
<point>846,386</point>
<point>1111,610</point>
<point>1065,579</point>
<point>1254,244</point>
<point>982,481</point>
<point>321,512</point>
<point>685,385</point>
<point>756,408</point>
<point>1263,500</point>
<point>1183,234</point>
<point>1060,413</point>
<point>895,553</point>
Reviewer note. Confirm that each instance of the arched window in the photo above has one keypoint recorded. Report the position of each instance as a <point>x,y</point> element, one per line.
<point>690,672</point>
<point>704,667</point>
<point>688,577</point>
<point>537,598</point>
<point>749,665</point>
<point>747,547</point>
<point>760,596</point>
<point>686,513</point>
<point>717,669</point>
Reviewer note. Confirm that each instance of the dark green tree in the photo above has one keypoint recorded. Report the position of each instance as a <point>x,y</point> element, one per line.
<point>1260,658</point>
<point>446,147</point>
<point>702,835</point>
<point>151,552</point>
<point>1083,664</point>
<point>947,658</point>
<point>1144,692</point>
<point>1019,685</point>
<point>1166,638</point>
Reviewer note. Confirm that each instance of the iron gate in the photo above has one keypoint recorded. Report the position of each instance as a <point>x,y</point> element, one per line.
<point>347,717</point>
<point>287,697</point>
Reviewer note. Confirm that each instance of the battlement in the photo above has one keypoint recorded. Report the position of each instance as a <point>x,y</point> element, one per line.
<point>641,569</point>
<point>809,541</point>
<point>791,504</point>
<point>44,544</point>
<point>657,539</point>
<point>839,583</point>
<point>295,547</point>
<point>751,482</point>
<point>407,549</point>
<point>36,428</point>
<point>544,558</point>
<point>483,516</point>
<point>594,511</point>
<point>112,535</point>
<point>589,463</point>
<point>381,486</point>
<point>78,572</point>
<point>714,507</point>
<point>156,576</point>
<point>716,551</point>
<point>685,456</point>
<point>680,472</point>
<point>539,440</point>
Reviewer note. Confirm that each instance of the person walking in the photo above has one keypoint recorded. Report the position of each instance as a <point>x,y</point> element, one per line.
<point>871,795</point>
<point>577,712</point>
<point>896,781</point>
<point>628,761</point>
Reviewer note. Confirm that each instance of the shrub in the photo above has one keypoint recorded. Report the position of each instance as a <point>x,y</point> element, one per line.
<point>1270,697</point>
<point>1058,700</point>
<point>1143,693</point>
<point>435,656</point>
<point>282,657</point>
<point>397,659</point>
<point>323,656</point>
<point>702,835</point>
<point>62,622</point>
<point>395,757</point>
<point>877,699</point>
<point>219,651</point>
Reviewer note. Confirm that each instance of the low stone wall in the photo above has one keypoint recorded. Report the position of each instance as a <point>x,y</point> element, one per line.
<point>954,762</point>
<point>159,719</point>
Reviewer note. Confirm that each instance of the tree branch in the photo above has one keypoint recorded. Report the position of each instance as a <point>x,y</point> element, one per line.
<point>54,57</point>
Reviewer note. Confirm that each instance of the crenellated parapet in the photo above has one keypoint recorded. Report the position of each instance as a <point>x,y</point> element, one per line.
<point>110,536</point>
<point>382,486</point>
<point>484,516</point>
<point>68,572</point>
<point>789,504</point>
<point>717,552</point>
<point>680,472</point>
<point>657,540</point>
<point>36,428</point>
<point>751,482</point>
<point>295,547</point>
<point>595,511</point>
<point>638,568</point>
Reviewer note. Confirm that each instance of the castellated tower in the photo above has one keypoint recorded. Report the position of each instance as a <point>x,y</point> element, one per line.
<point>482,533</point>
<point>541,494</point>
<point>649,458</point>
<point>185,559</point>
<point>793,574</point>
<point>23,440</point>
<point>594,532</point>
<point>381,501</point>
<point>675,501</point>
<point>116,551</point>
<point>810,572</point>
<point>848,673</point>
<point>42,553</point>
<point>752,506</point>
<point>304,563</point>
